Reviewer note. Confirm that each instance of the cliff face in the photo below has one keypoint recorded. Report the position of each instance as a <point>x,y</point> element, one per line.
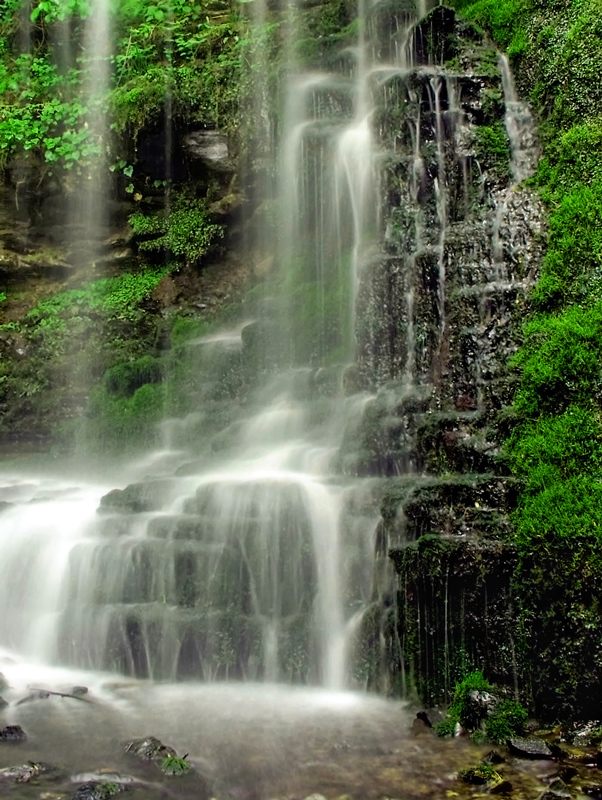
<point>440,311</point>
<point>483,437</point>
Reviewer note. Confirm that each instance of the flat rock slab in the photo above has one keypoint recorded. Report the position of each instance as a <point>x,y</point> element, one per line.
<point>529,748</point>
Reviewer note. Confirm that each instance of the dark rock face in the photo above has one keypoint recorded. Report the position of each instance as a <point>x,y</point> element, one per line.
<point>210,147</point>
<point>439,315</point>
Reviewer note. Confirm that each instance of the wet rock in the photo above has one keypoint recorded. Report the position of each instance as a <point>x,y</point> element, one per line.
<point>136,498</point>
<point>3,703</point>
<point>150,749</point>
<point>106,777</point>
<point>13,344</point>
<point>592,790</point>
<point>557,789</point>
<point>529,748</point>
<point>79,691</point>
<point>211,148</point>
<point>23,773</point>
<point>13,733</point>
<point>499,787</point>
<point>421,724</point>
<point>583,734</point>
<point>3,683</point>
<point>566,773</point>
<point>478,706</point>
<point>97,790</point>
<point>493,757</point>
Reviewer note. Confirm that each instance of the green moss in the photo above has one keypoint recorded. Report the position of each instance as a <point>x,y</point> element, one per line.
<point>507,719</point>
<point>493,150</point>
<point>124,379</point>
<point>185,230</point>
<point>556,444</point>
<point>121,424</point>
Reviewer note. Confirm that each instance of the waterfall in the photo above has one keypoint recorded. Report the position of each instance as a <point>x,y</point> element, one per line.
<point>248,553</point>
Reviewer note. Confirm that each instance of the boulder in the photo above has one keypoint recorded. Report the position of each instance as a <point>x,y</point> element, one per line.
<point>13,733</point>
<point>529,748</point>
<point>150,749</point>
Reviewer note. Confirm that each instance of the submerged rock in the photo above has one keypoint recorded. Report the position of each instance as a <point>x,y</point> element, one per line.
<point>150,749</point>
<point>13,733</point>
<point>557,790</point>
<point>500,787</point>
<point>493,757</point>
<point>421,724</point>
<point>23,773</point>
<point>106,777</point>
<point>97,790</point>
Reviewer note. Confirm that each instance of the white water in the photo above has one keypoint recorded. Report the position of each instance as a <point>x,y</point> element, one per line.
<point>250,556</point>
<point>519,126</point>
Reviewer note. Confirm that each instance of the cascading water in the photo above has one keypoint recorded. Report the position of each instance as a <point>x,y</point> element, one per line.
<point>249,555</point>
<point>255,564</point>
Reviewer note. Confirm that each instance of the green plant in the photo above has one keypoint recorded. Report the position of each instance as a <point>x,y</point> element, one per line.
<point>507,719</point>
<point>184,230</point>
<point>493,150</point>
<point>174,765</point>
<point>124,379</point>
<point>53,10</point>
<point>496,723</point>
<point>461,708</point>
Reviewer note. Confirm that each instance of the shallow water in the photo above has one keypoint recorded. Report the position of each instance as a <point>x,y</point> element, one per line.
<point>248,740</point>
